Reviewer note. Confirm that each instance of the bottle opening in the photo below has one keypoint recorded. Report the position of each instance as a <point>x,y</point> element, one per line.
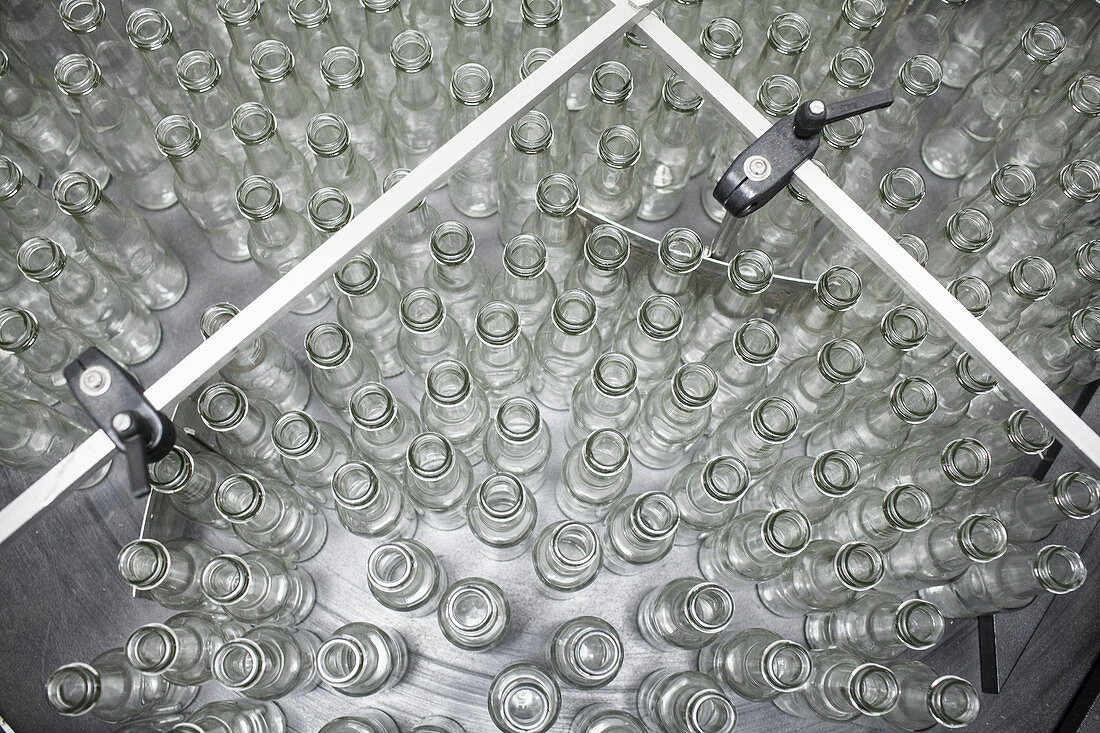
<point>524,699</point>
<point>152,648</point>
<point>709,607</point>
<point>973,293</point>
<point>238,663</point>
<point>722,38</point>
<point>411,51</point>
<point>655,515</point>
<point>786,665</point>
<point>982,538</point>
<point>902,189</point>
<point>1077,494</point>
<point>1085,328</point>
<point>574,312</point>
<point>73,689</point>
<point>430,456</point>
<point>660,317</point>
<point>471,13</point>
<point>873,689</point>
<point>859,566</point>
<point>969,231</point>
<point>614,374</point>
<point>1027,434</point>
<point>725,479</point>
<point>679,95</point>
<point>372,406</point>
<point>171,473</point>
<point>606,451</point>
<point>222,406</point>
<point>953,702</point>
<point>786,532</point>
<point>756,341</point>
<point>525,256</point>
<point>557,195</point>
<point>1012,185</point>
<point>838,288</point>
<point>253,123</point>
<point>329,210</point>
<point>177,136</point>
<point>497,323</point>
<point>694,385</point>
<point>904,327</point>
<point>840,361</point>
<point>272,61</point>
<point>1081,180</point>
<point>913,399</point>
<point>148,30</point>
<point>342,67</point>
<point>606,248</point>
<point>531,133</point>
<point>907,507</point>
<point>11,178</point>
<point>611,83</point>
<point>575,545</point>
<point>258,198</point>
<point>309,14</point>
<point>198,71</point>
<point>77,193</point>
<point>863,15</point>
<point>598,653</point>
<point>340,660</point>
<point>710,712</point>
<point>18,330</point>
<point>1059,569</point>
<point>619,147</point>
<point>533,59</point>
<point>470,609</point>
<point>144,563</point>
<point>680,251</point>
<point>750,271</point>
<point>452,243</point>
<point>359,276</point>
<point>225,579</point>
<point>915,246</point>
<point>1043,42</point>
<point>778,95</point>
<point>472,83</point>
<point>1032,278</point>
<point>919,624</point>
<point>238,12</point>
<point>295,434</point>
<point>541,13</point>
<point>239,497</point>
<point>355,485</point>
<point>448,382</point>
<point>421,310</point>
<point>965,461</point>
<point>327,135</point>
<point>390,566</point>
<point>1086,260</point>
<point>82,16</point>
<point>774,420</point>
<point>500,496</point>
<point>852,67</point>
<point>789,34</point>
<point>835,473</point>
<point>518,419</point>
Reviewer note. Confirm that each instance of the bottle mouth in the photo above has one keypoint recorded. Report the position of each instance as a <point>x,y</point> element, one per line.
<point>540,13</point>
<point>918,624</point>
<point>679,95</point>
<point>448,382</point>
<point>1086,260</point>
<point>341,659</point>
<point>1043,43</point>
<point>840,135</point>
<point>660,318</point>
<point>222,406</point>
<point>391,566</point>
<point>372,406</point>
<point>471,13</point>
<point>152,648</point>
<point>574,312</point>
<point>497,323</point>
<point>654,515</point>
<point>429,456</point>
<point>596,651</point>
<point>452,243</point>
<point>215,317</point>
<point>82,16</point>
<point>533,59</point>
<point>725,479</point>
<point>472,606</point>
<point>524,699</point>
<point>379,6</point>
<point>1085,328</point>
<point>965,461</point>
<point>355,485</point>
<point>358,277</point>
<point>518,419</point>
<point>258,198</point>
<point>902,189</point>
<point>253,124</point>
<point>239,497</point>
<point>852,67</point>
<point>557,195</point>
<point>904,327</point>
<point>73,689</point>
<point>863,15</point>
<point>342,67</point>
<point>295,434</point>
<point>329,210</point>
<point>973,293</point>
<point>1012,184</point>
<point>969,231</point>
<point>835,473</point>
<point>789,34</point>
<point>500,497</point>
<point>272,61</point>
<point>786,665</point>
<point>309,14</point>
<point>225,578</point>
<point>907,507</point>
<point>148,30</point>
<point>607,248</point>
<point>41,260</point>
<point>178,136</point>
<point>858,566</point>
<point>327,135</point>
<point>198,71</point>
<point>619,147</point>
<point>838,288</point>
<point>913,400</point>
<point>11,178</point>
<point>172,472</point>
<point>1059,569</point>
<point>873,689</point>
<point>756,341</point>
<point>575,545</point>
<point>77,193</point>
<point>5,62</point>
<point>18,330</point>
<point>694,385</point>
<point>410,52</point>
<point>1027,434</point>
<point>774,420</point>
<point>840,361</point>
<point>525,256</point>
<point>238,13</point>
<point>144,563</point>
<point>709,607</point>
<point>709,711</point>
<point>785,532</point>
<point>1077,494</point>
<point>1080,180</point>
<point>680,251</point>
<point>421,310</point>
<point>972,376</point>
<point>778,95</point>
<point>953,702</point>
<point>472,84</point>
<point>1032,278</point>
<point>615,374</point>
<point>611,83</point>
<point>982,538</point>
<point>722,38</point>
<point>238,664</point>
<point>393,178</point>
<point>606,452</point>
<point>1084,95</point>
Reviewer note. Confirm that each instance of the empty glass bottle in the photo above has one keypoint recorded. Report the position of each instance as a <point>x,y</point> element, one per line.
<point>438,480</point>
<point>601,272</point>
<point>942,550</point>
<point>651,340</point>
<point>344,73</point>
<point>259,587</point>
<point>640,529</point>
<point>473,614</point>
<point>855,23</point>
<point>901,329</point>
<point>926,698</point>
<point>609,185</point>
<point>876,517</point>
<point>338,367</point>
<point>556,224</point>
<point>611,84</point>
<point>382,426</point>
<point>472,188</point>
<point>213,97</point>
<point>455,406</point>
<point>113,690</point>
<point>361,659</point>
<point>894,129</point>
<point>670,145</point>
<point>120,130</point>
<point>242,428</point>
<point>1010,440</point>
<point>292,101</point>
<point>405,576</point>
<point>524,698</point>
<point>842,687</point>
<point>685,613</point>
<point>565,348</point>
<point>674,701</point>
<point>168,571</point>
<point>825,575</point>
<point>868,428</point>
<point>811,484</point>
<point>524,283</point>
<point>337,163</point>
<point>271,516</point>
<point>150,32</point>
<point>268,662</point>
<point>188,476</point>
<point>223,715</point>
<point>268,154</point>
<point>460,279</point>
<point>1030,509</point>
<point>674,416</point>
<point>31,213</point>
<point>526,162</point>
<point>428,335</point>
<point>742,366</point>
<point>814,317</point>
<point>1052,352</point>
<point>876,626</point>
<point>756,664</point>
<point>756,437</point>
<point>595,472</point>
<point>35,437</point>
<point>728,304</point>
<point>475,37</point>
<point>43,352</point>
<point>371,503</point>
<point>384,20</point>
<point>311,452</point>
<point>246,26</point>
<point>679,254</point>
<point>755,545</point>
<point>567,557</point>
<point>414,114</point>
<point>502,514</point>
<point>263,368</point>
<point>707,495</point>
<point>499,355</point>
<point>608,399</point>
<point>87,299</point>
<point>586,652</point>
<point>367,307</point>
<point>815,384</point>
<point>519,442</point>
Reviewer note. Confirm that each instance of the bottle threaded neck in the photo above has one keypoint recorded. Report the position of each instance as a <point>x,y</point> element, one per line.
<point>327,135</point>
<point>532,133</point>
<point>722,38</point>
<point>774,420</point>
<point>660,317</point>
<point>904,327</point>
<point>533,59</point>
<point>1032,278</point>
<point>309,14</point>
<point>965,461</point>
<point>921,76</point>
<point>1080,180</point>
<point>778,96</point>
<point>372,406</point>
<point>840,361</point>
<point>915,246</point>
<point>1059,569</point>
<point>215,316</point>
<point>756,341</point>
<point>902,189</point>
<point>342,67</point>
<point>606,452</point>
<point>198,71</point>
<point>226,578</point>
<point>678,95</point>
<point>177,136</point>
<point>1084,328</point>
<point>172,472</point>
<point>788,34</point>
<point>606,248</point>
<point>1012,185</point>
<point>259,198</point>
<point>430,456</point>
<point>411,52</point>
<point>451,244</point>
<point>471,13</point>
<point>541,13</point>
<point>750,272</point>
<point>1077,494</point>
<point>1086,261</point>
<point>969,231</point>
<point>953,702</point>
<point>614,374</point>
<point>358,277</point>
<point>472,84</point>
<point>838,288</point>
<point>907,507</point>
<point>222,406</point>
<point>18,330</point>
<point>448,382</point>
<point>148,30</point>
<point>557,195</point>
<point>858,565</point>
<point>421,310</point>
<point>619,147</point>
<point>835,473</point>
<point>11,178</point>
<point>913,400</point>
<point>237,13</point>
<point>1084,95</point>
<point>852,67</point>
<point>973,293</point>
<point>1027,434</point>
<point>725,479</point>
<point>272,61</point>
<point>77,193</point>
<point>518,420</point>
<point>863,15</point>
<point>41,259</point>
<point>253,124</point>
<point>973,377</point>
<point>355,485</point>
<point>786,665</point>
<point>840,135</point>
<point>1043,43</point>
<point>785,532</point>
<point>525,256</point>
<point>328,209</point>
<point>982,538</point>
<point>328,345</point>
<point>574,312</point>
<point>82,16</point>
<point>680,251</point>
<point>694,385</point>
<point>611,83</point>
<point>497,323</point>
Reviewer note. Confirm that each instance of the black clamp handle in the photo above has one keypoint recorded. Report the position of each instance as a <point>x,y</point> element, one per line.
<point>765,167</point>
<point>115,401</point>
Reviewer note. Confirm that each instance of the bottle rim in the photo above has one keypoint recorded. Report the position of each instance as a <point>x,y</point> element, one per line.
<point>500,496</point>
<point>359,276</point>
<point>982,538</point>
<point>250,662</point>
<point>574,312</point>
<point>778,95</point>
<point>473,611</point>
<point>295,434</point>
<point>11,178</point>
<point>873,689</point>
<point>725,479</point>
<point>557,195</point>
<point>532,133</point>
<point>679,95</point>
<point>312,17</point>
<point>82,16</point>
<point>497,323</point>
<point>680,251</point>
<point>215,316</point>
<point>538,690</point>
<point>577,536</point>
<point>239,497</point>
<point>451,243</point>
<point>541,13</point>
<point>421,310</point>
<point>611,83</point>
<point>972,292</point>
<point>19,329</point>
<point>34,266</point>
<point>447,382</point>
<point>381,571</point>
<point>708,607</point>
<point>786,665</point>
<point>178,136</point>
<point>863,15</point>
<point>835,473</point>
<point>430,456</point>
<point>902,189</point>
<point>619,147</point>
<point>660,317</point>
<point>606,452</point>
<point>756,342</point>
<point>60,685</point>
<point>1032,278</point>
<point>722,38</point>
<point>614,374</point>
<point>1043,43</point>
<point>524,256</point>
<point>694,385</point>
<point>172,472</point>
<point>329,210</point>
<point>788,34</point>
<point>152,648</point>
<point>1077,494</point>
<point>904,327</point>
<point>327,135</point>
<point>607,248</point>
<point>596,669</point>
<point>1086,261</point>
<point>472,84</point>
<point>840,361</point>
<point>654,515</point>
<point>1080,180</point>
<point>411,52</point>
<point>858,565</point>
<point>533,59</point>
<point>480,14</point>
<point>198,71</point>
<point>379,6</point>
<point>258,198</point>
<point>953,702</point>
<point>77,193</point>
<point>341,660</point>
<point>921,75</point>
<point>518,420</point>
<point>785,532</point>
<point>355,485</point>
<point>969,230</point>
<point>342,67</point>
<point>272,61</point>
<point>253,124</point>
<point>1085,328</point>
<point>226,578</point>
<point>852,67</point>
<point>913,399</point>
<point>144,563</point>
<point>774,420</point>
<point>838,288</point>
<point>222,406</point>
<point>840,135</point>
<point>710,710</point>
<point>1059,570</point>
<point>907,507</point>
<point>237,13</point>
<point>147,29</point>
<point>965,461</point>
<point>1027,433</point>
<point>372,406</point>
<point>1084,95</point>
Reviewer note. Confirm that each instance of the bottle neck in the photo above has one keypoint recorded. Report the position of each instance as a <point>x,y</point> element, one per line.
<point>417,89</point>
<point>201,169</point>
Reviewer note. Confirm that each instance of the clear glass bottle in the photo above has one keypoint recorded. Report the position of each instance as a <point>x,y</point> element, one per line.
<point>727,304</point>
<point>942,550</point>
<point>438,480</point>
<point>674,416</point>
<point>122,240</point>
<point>315,29</point>
<point>405,576</point>
<point>32,213</point>
<point>271,516</point>
<point>565,349</point>
<point>826,575</point>
<point>414,103</point>
<point>87,21</point>
<point>811,484</point>
<point>960,245</point>
<point>268,154</point>
<point>742,366</point>
<point>842,687</point>
<point>853,26</point>
<point>707,495</point>
<point>292,102</point>
<point>502,514</point>
<point>499,355</point>
<point>972,128</point>
<point>600,718</point>
<point>719,44</point>
<point>223,715</point>
<point>202,178</point>
<point>1010,440</point>
<point>609,186</point>
<point>815,384</point>
<point>756,664</point>
<point>337,163</point>
<point>212,97</point>
<point>246,26</point>
<point>684,701</point>
<point>278,237</point>
<point>519,442</point>
<point>455,406</point>
<point>383,21</point>
<point>242,429</point>
<point>927,699</point>
<point>556,224</point>
<point>187,477</point>
<point>892,130</point>
<point>259,587</point>
<point>475,38</point>
<point>640,529</point>
<point>43,352</point>
<point>87,299</point>
<point>113,690</point>
<point>1030,510</point>
<point>150,32</point>
<point>459,278</point>
<point>120,130</point>
<point>602,273</point>
<point>786,39</point>
<point>651,340</point>
<point>524,698</point>
<point>168,571</point>
<point>754,545</point>
<point>268,662</point>
<point>428,335</point>
<point>567,557</point>
<point>344,73</point>
<point>361,659</point>
<point>338,368</point>
<point>366,306</point>
<point>670,145</point>
<point>814,317</point>
<point>878,518</point>
<point>757,437</point>
<point>526,162</point>
<point>407,241</point>
<point>869,428</point>
<point>962,463</point>
<point>876,626</point>
<point>1011,581</point>
<point>679,254</point>
<point>35,437</point>
<point>611,84</point>
<point>371,503</point>
<point>311,452</point>
<point>609,399</point>
<point>685,613</point>
<point>524,283</point>
<point>473,614</point>
<point>382,426</point>
<point>263,367</point>
<point>472,188</point>
<point>594,474</point>
<point>586,652</point>
<point>1052,352</point>
<point>1029,281</point>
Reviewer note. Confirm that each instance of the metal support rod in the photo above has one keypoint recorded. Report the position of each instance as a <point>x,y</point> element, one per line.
<point>204,360</point>
<point>874,242</point>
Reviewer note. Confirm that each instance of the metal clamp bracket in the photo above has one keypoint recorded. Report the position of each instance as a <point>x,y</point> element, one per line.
<point>114,399</point>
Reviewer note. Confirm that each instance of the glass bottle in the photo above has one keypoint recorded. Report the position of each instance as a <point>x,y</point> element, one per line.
<point>942,550</point>
<point>150,32</point>
<point>212,98</point>
<point>876,517</point>
<point>640,529</point>
<point>842,687</point>
<point>524,698</point>
<point>756,664</point>
<point>121,131</point>
<point>1030,509</point>
<point>371,503</point>
<point>271,516</point>
<point>259,587</point>
<point>524,283</point>
<point>168,571</point>
<point>407,240</point>
<point>963,462</point>
<point>609,399</point>
<point>960,245</point>
<point>43,352</point>
<point>674,416</point>
<point>202,178</point>
<point>315,30</point>
<point>611,84</point>
<point>609,186</point>
<point>602,273</point>
<point>815,384</point>
<point>1029,280</point>
<point>405,576</point>
<point>685,613</point>
<point>756,437</point>
<point>268,662</point>
<point>526,162</point>
<point>123,241</point>
<point>473,614</point>
<point>519,442</point>
<point>367,307</point>
<point>246,26</point>
<point>679,701</point>
<point>565,349</point>
<point>926,698</point>
<point>338,368</point>
<point>223,715</point>
<point>344,72</point>
<point>113,690</point>
<point>726,305</point>
<point>502,514</point>
<point>337,163</point>
<point>278,237</point>
<point>87,21</point>
<point>679,254</point>
<point>371,720</point>
<point>384,20</point>
<point>594,474</point>
<point>556,224</point>
<point>311,453</point>
<point>382,426</point>
<point>670,145</point>
<point>474,38</point>
<point>460,279</point>
<point>651,340</point>
<point>567,557</point>
<point>826,575</point>
<point>855,23</point>
<point>741,364</point>
<point>600,718</point>
<point>814,317</point>
<point>1052,352</point>
<point>242,428</point>
<point>31,213</point>
<point>707,495</point>
<point>428,335</point>
<point>499,355</point>
<point>35,437</point>
<point>895,128</point>
<point>414,115</point>
<point>876,626</point>
<point>263,367</point>
<point>1011,581</point>
<point>586,652</point>
<point>292,102</point>
<point>1010,440</point>
<point>811,484</point>
<point>267,154</point>
<point>361,659</point>
<point>719,44</point>
<point>754,545</point>
<point>869,428</point>
<point>87,299</point>
<point>472,188</point>
<point>438,480</point>
<point>970,129</point>
<point>455,406</point>
<point>785,41</point>
<point>188,476</point>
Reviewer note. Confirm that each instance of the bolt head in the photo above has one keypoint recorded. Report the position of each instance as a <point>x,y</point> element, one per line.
<point>757,168</point>
<point>817,107</point>
<point>122,422</point>
<point>95,381</point>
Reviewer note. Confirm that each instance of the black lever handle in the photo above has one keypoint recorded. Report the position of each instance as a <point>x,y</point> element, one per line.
<point>812,116</point>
